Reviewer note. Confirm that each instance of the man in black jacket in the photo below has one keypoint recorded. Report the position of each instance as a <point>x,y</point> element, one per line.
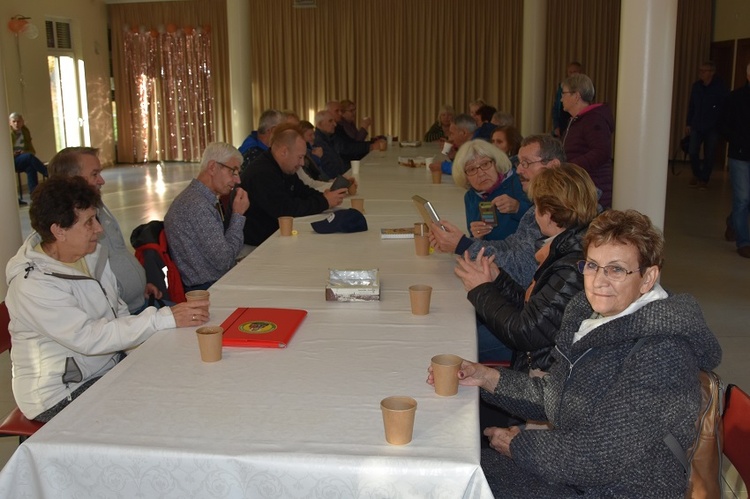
<point>275,190</point>
<point>734,124</point>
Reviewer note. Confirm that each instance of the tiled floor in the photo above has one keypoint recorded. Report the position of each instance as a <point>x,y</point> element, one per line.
<point>698,261</point>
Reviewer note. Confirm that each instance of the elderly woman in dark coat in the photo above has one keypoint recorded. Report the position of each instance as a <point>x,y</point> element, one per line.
<point>609,410</point>
<point>588,138</point>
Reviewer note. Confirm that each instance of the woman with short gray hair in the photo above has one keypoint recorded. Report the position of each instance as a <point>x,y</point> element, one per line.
<point>588,138</point>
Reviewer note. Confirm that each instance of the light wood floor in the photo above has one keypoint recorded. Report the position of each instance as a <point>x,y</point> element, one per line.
<point>698,260</point>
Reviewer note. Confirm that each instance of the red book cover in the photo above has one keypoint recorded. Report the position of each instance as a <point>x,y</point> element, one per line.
<point>261,327</point>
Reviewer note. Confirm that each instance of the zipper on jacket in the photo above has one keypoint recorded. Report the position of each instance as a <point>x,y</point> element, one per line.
<point>571,365</point>
<point>86,278</point>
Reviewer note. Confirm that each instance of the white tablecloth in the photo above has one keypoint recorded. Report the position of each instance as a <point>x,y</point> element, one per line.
<point>303,421</point>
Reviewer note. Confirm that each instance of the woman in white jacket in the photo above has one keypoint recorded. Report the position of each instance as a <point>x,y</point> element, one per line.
<point>68,324</point>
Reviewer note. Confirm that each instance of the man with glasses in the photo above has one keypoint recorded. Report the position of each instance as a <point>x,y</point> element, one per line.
<point>515,253</point>
<point>349,121</point>
<point>195,223</point>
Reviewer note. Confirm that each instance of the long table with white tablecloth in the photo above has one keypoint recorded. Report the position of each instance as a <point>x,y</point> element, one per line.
<point>303,421</point>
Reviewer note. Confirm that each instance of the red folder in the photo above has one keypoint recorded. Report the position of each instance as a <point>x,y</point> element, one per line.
<point>261,327</point>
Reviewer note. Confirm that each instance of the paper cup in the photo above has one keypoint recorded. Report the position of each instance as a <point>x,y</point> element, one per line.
<point>398,419</point>
<point>420,294</point>
<point>285,225</point>
<point>422,248</point>
<point>389,140</point>
<point>197,295</point>
<point>428,162</point>
<point>383,145</point>
<point>209,342</point>
<point>437,176</point>
<point>445,373</point>
<point>421,229</point>
<point>358,204</point>
<point>355,167</point>
<point>447,146</point>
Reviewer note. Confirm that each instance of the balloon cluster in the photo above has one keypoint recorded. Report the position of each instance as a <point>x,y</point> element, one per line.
<point>20,24</point>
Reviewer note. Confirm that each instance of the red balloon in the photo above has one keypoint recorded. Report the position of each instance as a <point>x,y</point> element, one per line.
<point>207,29</point>
<point>17,25</point>
<point>188,29</point>
<point>134,29</point>
<point>171,28</point>
<point>154,33</point>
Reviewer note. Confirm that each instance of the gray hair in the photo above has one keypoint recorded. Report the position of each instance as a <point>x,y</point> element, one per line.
<point>549,147</point>
<point>583,85</point>
<point>66,162</point>
<point>320,115</point>
<point>501,119</point>
<point>14,116</point>
<point>471,150</point>
<point>269,119</point>
<point>221,152</point>
<point>465,122</point>
<point>446,109</point>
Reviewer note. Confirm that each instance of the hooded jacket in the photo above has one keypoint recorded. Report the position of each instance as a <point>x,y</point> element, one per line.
<point>66,327</point>
<point>610,410</point>
<point>588,144</point>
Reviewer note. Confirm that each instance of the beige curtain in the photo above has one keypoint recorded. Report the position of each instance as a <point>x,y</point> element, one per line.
<point>171,78</point>
<point>398,60</point>
<point>692,46</point>
<point>587,31</point>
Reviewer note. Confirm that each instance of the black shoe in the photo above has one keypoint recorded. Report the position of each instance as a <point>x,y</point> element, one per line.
<point>744,251</point>
<point>21,202</point>
<point>730,234</point>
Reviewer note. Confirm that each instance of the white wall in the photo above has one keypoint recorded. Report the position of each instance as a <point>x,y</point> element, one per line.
<point>32,97</point>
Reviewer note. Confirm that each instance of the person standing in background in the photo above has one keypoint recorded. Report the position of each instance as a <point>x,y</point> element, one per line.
<point>706,97</point>
<point>734,124</point>
<point>560,117</point>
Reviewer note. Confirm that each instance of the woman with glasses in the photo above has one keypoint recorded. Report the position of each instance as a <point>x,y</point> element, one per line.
<point>625,376</point>
<point>526,320</point>
<point>494,199</point>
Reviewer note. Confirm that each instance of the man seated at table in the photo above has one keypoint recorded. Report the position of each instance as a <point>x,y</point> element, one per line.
<point>275,190</point>
<point>200,245</point>
<point>259,140</point>
<point>131,277</point>
<point>24,154</point>
<point>330,163</point>
<point>516,253</point>
<point>348,148</point>
<point>349,121</point>
<point>460,132</point>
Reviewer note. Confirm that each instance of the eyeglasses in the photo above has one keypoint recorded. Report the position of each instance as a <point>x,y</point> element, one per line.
<point>611,272</point>
<point>526,164</point>
<point>235,171</point>
<point>484,166</point>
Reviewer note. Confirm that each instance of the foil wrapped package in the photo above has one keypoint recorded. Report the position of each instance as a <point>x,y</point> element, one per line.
<point>353,285</point>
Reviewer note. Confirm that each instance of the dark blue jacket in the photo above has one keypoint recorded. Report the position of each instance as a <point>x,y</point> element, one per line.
<point>705,102</point>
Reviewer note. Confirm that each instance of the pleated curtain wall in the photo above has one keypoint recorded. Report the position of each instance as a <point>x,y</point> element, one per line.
<point>399,60</point>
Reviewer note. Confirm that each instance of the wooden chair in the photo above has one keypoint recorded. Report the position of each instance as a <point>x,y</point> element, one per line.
<point>15,424</point>
<point>736,421</point>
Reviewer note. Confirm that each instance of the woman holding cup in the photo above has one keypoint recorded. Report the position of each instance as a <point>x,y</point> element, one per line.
<point>494,199</point>
<point>625,375</point>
